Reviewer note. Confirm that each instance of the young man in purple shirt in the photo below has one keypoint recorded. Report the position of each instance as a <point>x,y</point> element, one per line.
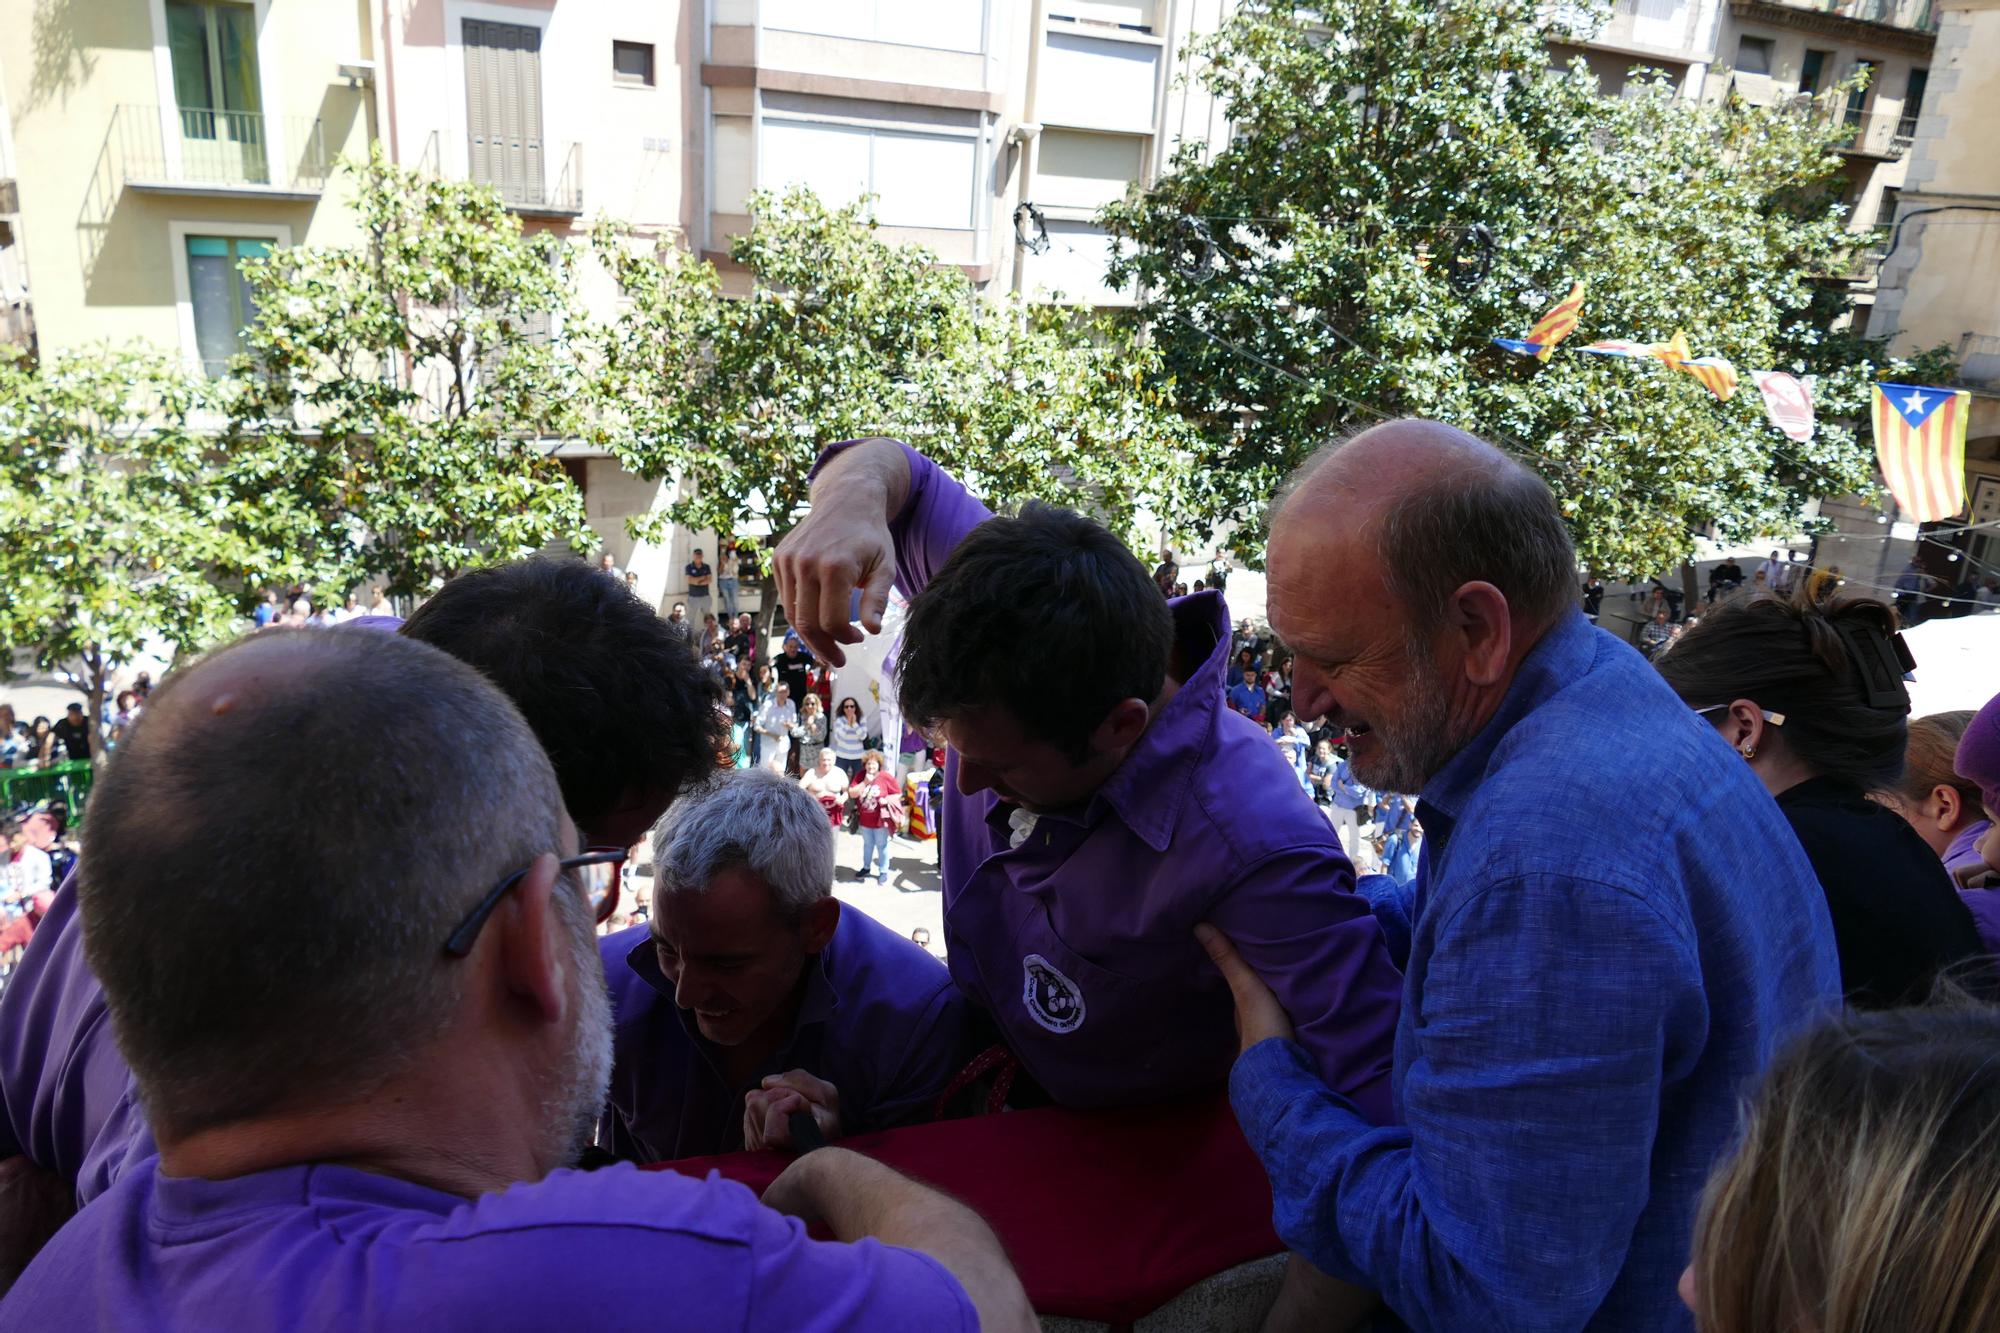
<point>752,980</point>
<point>1100,798</point>
<point>367,1095</point>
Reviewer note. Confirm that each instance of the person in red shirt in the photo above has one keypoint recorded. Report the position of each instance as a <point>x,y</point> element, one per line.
<point>878,797</point>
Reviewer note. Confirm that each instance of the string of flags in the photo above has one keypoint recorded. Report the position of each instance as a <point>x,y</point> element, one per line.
<point>1919,429</point>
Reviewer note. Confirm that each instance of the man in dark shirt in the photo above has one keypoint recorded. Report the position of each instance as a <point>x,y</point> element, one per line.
<point>72,736</point>
<point>741,641</point>
<point>679,626</point>
<point>699,575</point>
<point>795,665</point>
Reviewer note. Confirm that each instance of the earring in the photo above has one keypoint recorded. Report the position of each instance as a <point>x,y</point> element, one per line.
<point>1748,751</point>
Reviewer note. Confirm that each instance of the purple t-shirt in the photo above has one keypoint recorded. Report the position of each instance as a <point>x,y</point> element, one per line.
<point>1080,941</point>
<point>879,1019</point>
<point>67,1099</point>
<point>329,1247</point>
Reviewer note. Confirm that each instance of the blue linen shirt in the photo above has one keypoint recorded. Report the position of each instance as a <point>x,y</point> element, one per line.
<point>1609,941</point>
<point>1247,699</point>
<point>879,1019</point>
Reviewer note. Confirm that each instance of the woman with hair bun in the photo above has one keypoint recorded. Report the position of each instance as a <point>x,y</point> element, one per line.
<point>1864,1196</point>
<point>1811,694</point>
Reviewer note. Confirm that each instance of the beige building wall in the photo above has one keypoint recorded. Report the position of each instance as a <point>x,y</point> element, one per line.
<point>104,204</point>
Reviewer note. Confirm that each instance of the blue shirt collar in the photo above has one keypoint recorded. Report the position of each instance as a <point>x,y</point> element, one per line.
<point>1149,788</point>
<point>1563,654</point>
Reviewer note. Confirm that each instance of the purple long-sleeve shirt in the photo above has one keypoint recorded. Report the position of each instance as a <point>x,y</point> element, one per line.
<point>1080,942</point>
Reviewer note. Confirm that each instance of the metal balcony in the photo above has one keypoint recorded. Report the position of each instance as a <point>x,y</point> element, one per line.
<point>519,170</point>
<point>171,150</point>
<point>1878,134</point>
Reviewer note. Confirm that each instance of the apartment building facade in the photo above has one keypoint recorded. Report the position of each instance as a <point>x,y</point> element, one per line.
<point>1798,54</point>
<point>156,143</point>
<point>1940,281</point>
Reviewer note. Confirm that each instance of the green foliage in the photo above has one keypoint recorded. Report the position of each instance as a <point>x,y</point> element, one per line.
<point>124,525</point>
<point>842,335</point>
<point>418,385</point>
<point>1328,304</point>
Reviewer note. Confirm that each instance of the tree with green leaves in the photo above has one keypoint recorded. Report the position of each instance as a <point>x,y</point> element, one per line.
<point>420,382</point>
<point>1408,180</point>
<point>844,335</point>
<point>126,530</point>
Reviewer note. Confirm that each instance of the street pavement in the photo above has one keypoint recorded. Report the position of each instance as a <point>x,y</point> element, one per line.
<point>914,895</point>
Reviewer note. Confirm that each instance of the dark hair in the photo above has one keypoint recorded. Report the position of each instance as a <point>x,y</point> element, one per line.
<point>246,972</point>
<point>850,699</point>
<point>1046,615</point>
<point>615,697</point>
<point>1793,655</point>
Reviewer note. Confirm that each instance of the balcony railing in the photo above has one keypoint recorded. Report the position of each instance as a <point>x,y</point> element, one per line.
<point>1884,134</point>
<point>1918,15</point>
<point>200,151</point>
<point>519,170</point>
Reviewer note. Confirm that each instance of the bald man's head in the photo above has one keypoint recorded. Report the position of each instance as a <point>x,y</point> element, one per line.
<point>1440,508</point>
<point>1411,568</point>
<point>278,850</point>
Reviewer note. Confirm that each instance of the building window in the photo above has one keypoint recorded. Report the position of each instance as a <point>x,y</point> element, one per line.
<point>943,25</point>
<point>1753,55</point>
<point>919,177</point>
<point>1857,100</point>
<point>223,300</point>
<point>214,53</point>
<point>1812,72</point>
<point>1913,104</point>
<point>632,62</point>
<point>1885,214</point>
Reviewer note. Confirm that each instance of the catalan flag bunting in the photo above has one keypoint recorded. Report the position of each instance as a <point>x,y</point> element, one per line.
<point>1920,442</point>
<point>1550,329</point>
<point>1716,374</point>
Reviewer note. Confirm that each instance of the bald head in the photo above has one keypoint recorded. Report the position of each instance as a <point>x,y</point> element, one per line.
<point>1437,508</point>
<point>274,867</point>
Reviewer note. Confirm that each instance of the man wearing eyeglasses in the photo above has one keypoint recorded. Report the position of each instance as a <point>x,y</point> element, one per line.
<point>624,714</point>
<point>754,993</point>
<point>366,1096</point>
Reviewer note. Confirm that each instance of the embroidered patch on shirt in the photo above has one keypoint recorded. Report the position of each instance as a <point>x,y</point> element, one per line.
<point>1051,998</point>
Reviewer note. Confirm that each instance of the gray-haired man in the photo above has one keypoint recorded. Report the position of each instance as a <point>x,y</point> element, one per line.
<point>753,992</point>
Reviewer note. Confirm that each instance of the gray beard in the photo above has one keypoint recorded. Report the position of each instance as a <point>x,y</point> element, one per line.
<point>574,1105</point>
<point>1422,741</point>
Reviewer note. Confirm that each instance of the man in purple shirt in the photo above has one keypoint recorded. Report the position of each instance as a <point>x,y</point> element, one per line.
<point>752,981</point>
<point>624,715</point>
<point>369,1053</point>
<point>1101,800</point>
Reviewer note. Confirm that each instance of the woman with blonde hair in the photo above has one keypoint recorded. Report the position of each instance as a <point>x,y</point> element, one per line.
<point>1865,1194</point>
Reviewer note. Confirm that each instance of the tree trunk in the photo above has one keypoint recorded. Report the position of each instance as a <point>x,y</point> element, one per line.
<point>1690,593</point>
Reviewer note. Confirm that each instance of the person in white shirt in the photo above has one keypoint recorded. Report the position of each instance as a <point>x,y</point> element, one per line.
<point>29,871</point>
<point>1775,571</point>
<point>775,720</point>
<point>827,785</point>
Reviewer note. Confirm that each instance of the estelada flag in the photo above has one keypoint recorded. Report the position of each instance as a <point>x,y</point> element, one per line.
<point>1787,401</point>
<point>1716,374</point>
<point>1550,329</point>
<point>1920,442</point>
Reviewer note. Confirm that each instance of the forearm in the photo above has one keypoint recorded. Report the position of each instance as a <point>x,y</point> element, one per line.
<point>859,1197</point>
<point>873,475</point>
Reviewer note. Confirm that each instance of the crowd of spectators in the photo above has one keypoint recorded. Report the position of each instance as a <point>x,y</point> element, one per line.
<point>1496,1109</point>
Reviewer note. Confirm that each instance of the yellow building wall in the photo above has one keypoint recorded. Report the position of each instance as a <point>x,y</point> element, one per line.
<point>99,253</point>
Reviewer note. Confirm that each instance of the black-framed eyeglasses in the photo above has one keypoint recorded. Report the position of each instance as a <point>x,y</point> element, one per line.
<point>596,871</point>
